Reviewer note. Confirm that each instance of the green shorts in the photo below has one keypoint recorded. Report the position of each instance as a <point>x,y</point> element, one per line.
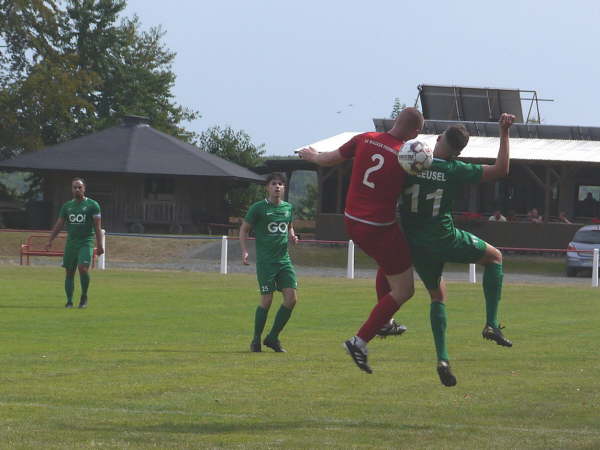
<point>275,277</point>
<point>429,261</point>
<point>77,254</point>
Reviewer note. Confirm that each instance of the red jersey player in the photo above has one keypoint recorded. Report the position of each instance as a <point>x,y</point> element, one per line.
<point>375,185</point>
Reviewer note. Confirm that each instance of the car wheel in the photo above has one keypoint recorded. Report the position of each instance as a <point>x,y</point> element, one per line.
<point>571,272</point>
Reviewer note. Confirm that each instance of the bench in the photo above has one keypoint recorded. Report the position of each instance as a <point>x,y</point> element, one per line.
<point>35,245</point>
<point>222,228</point>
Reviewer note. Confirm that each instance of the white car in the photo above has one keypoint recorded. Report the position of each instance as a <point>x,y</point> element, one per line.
<point>586,238</point>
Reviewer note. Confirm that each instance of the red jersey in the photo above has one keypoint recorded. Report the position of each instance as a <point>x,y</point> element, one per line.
<point>377,178</point>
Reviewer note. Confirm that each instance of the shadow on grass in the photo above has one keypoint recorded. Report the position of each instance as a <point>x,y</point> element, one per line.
<point>30,307</point>
<point>224,352</point>
<point>254,427</point>
<point>154,350</point>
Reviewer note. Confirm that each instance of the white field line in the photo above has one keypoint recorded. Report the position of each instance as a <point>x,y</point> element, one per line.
<point>319,420</point>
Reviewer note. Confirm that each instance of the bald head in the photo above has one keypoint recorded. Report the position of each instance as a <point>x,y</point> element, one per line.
<point>408,124</point>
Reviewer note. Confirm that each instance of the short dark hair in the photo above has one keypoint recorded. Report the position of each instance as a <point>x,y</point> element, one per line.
<point>79,179</point>
<point>276,176</point>
<point>457,138</point>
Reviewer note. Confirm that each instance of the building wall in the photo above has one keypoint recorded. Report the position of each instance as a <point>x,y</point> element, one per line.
<point>499,234</point>
<point>124,201</point>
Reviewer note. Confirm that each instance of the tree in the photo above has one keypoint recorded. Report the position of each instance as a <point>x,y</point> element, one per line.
<point>235,146</point>
<point>306,208</point>
<point>134,66</point>
<point>29,31</point>
<point>232,145</point>
<point>70,71</point>
<point>398,106</point>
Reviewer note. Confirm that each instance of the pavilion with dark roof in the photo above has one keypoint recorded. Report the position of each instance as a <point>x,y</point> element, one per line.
<point>141,177</point>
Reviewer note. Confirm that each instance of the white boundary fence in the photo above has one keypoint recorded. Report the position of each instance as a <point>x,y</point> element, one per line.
<point>350,271</point>
<point>102,257</point>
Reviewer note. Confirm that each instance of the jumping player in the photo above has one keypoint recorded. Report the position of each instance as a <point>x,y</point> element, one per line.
<point>370,216</point>
<point>427,221</point>
<point>271,220</point>
<point>82,216</point>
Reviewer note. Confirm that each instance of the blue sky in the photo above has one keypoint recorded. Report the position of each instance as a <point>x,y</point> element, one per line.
<point>291,73</point>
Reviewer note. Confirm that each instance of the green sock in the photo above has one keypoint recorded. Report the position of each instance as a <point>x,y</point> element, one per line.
<point>84,277</point>
<point>69,287</point>
<point>283,315</point>
<point>260,318</point>
<point>437,315</point>
<point>492,289</point>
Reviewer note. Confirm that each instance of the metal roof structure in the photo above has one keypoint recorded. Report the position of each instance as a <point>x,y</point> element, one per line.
<point>284,165</point>
<point>518,130</point>
<point>469,103</point>
<point>133,147</point>
<point>557,151</point>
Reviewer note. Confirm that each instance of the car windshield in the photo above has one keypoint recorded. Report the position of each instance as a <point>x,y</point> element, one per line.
<point>587,237</point>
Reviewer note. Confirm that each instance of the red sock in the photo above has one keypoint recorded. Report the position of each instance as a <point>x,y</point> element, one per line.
<point>380,315</point>
<point>381,285</point>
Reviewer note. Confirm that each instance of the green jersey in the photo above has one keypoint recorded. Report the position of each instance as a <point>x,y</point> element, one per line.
<point>79,217</point>
<point>270,224</point>
<point>428,197</point>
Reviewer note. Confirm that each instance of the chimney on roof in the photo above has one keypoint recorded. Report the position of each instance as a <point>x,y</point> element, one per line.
<point>132,121</point>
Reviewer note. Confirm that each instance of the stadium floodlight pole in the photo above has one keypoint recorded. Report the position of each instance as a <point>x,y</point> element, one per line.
<point>102,257</point>
<point>595,268</point>
<point>472,274</point>
<point>350,268</point>
<point>224,255</point>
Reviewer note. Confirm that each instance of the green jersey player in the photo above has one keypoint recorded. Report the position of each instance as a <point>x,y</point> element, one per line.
<point>426,211</point>
<point>82,216</point>
<point>271,220</point>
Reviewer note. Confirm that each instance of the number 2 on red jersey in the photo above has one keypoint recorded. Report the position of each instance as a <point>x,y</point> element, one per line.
<point>378,160</point>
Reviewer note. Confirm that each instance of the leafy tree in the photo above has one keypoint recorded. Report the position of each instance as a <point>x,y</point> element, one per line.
<point>306,208</point>
<point>398,106</point>
<point>235,146</point>
<point>29,31</point>
<point>232,145</point>
<point>134,66</point>
<point>66,71</point>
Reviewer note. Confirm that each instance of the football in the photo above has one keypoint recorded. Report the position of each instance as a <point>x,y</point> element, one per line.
<point>415,156</point>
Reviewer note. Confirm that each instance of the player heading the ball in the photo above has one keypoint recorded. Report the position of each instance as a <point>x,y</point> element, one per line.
<point>376,182</point>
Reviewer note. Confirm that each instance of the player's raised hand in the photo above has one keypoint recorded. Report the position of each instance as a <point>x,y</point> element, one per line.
<point>245,259</point>
<point>308,153</point>
<point>506,120</point>
<point>295,239</point>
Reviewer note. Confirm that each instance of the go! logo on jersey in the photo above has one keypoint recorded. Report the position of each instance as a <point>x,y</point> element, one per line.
<point>77,218</point>
<point>275,227</point>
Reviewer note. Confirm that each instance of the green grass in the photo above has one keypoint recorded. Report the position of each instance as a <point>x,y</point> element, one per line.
<point>160,360</point>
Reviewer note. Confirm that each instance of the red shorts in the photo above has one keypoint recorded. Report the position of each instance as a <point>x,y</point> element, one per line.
<point>387,245</point>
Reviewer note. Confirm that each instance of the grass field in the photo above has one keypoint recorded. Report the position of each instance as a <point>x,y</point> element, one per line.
<point>160,360</point>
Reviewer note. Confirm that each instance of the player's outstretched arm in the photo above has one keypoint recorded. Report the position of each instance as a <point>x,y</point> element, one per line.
<point>55,230</point>
<point>502,165</point>
<point>244,230</point>
<point>322,159</point>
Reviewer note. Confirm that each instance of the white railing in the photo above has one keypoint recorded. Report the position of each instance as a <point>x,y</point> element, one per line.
<point>350,269</point>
